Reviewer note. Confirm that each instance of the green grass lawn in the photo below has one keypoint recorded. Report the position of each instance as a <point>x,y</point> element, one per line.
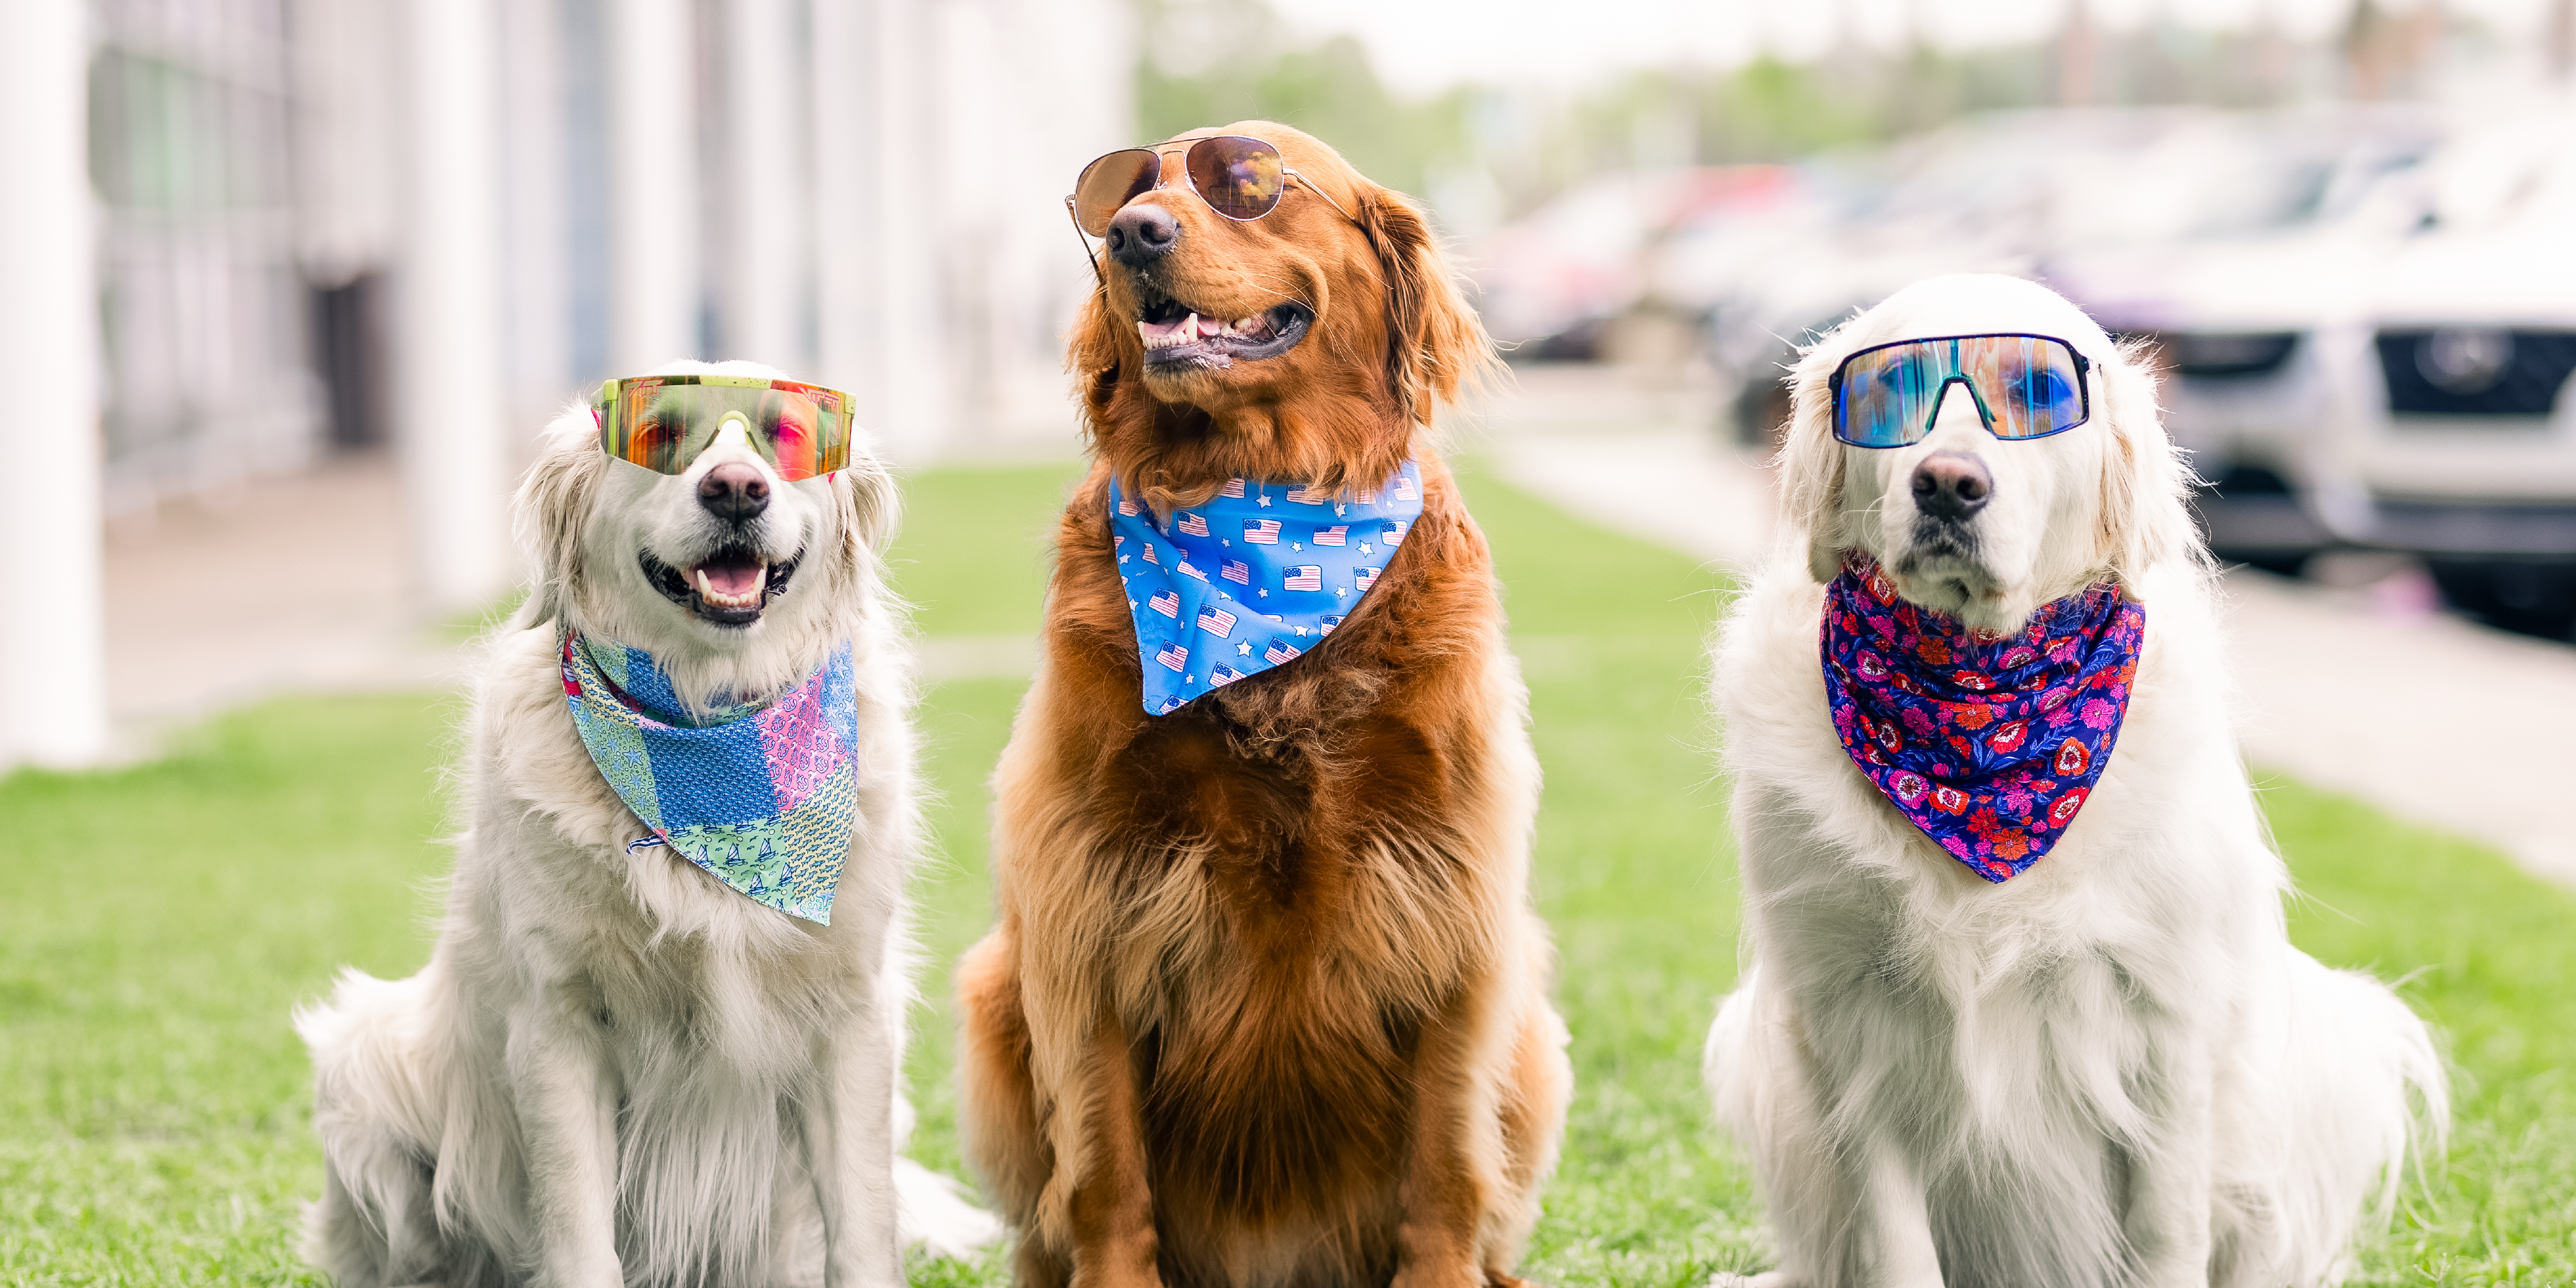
<point>164,918</point>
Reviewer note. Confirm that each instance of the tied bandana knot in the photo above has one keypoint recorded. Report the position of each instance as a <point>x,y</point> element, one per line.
<point>1252,579</point>
<point>763,795</point>
<point>1988,743</point>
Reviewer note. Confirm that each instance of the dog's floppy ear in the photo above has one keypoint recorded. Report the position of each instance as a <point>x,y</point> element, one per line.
<point>1093,353</point>
<point>2143,520</point>
<point>552,505</point>
<point>1810,464</point>
<point>870,505</point>
<point>1435,346</point>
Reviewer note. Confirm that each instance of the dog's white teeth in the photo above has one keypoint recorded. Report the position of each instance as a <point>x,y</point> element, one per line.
<point>749,598</point>
<point>707,588</point>
<point>1243,326</point>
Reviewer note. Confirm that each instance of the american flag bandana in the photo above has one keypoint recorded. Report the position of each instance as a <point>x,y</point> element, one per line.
<point>763,795</point>
<point>1988,743</point>
<point>1252,579</point>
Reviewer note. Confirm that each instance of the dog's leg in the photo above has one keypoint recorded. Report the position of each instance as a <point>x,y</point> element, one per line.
<point>2168,1221</point>
<point>1454,1163</point>
<point>1112,1209</point>
<point>847,1128</point>
<point>565,1095</point>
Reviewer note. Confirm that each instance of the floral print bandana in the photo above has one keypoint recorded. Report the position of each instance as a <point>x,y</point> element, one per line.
<point>764,794</point>
<point>1252,579</point>
<point>1989,743</point>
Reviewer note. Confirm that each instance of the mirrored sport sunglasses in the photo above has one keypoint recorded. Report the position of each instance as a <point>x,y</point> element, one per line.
<point>664,423</point>
<point>1238,177</point>
<point>2024,386</point>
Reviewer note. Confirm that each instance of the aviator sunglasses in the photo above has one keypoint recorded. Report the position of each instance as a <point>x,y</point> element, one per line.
<point>2024,386</point>
<point>1238,177</point>
<point>664,423</point>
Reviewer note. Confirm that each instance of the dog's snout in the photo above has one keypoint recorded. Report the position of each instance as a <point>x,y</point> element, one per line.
<point>1952,485</point>
<point>734,491</point>
<point>1143,234</point>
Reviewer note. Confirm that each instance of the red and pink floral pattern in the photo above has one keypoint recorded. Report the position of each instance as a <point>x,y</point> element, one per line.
<point>1989,743</point>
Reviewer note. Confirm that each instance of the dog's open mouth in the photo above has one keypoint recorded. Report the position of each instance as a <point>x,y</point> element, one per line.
<point>1178,337</point>
<point>729,588</point>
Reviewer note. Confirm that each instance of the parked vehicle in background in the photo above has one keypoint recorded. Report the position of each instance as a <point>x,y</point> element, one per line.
<point>2276,222</point>
<point>2455,437</point>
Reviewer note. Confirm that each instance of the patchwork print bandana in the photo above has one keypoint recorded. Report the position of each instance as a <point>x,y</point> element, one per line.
<point>1989,743</point>
<point>1252,579</point>
<point>764,795</point>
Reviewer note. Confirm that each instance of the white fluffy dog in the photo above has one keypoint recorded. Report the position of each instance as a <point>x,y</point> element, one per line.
<point>615,1069</point>
<point>2113,1068</point>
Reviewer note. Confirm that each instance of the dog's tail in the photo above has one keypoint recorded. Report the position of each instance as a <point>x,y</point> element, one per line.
<point>2364,1094</point>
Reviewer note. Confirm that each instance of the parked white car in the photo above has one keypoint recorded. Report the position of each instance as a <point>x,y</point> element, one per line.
<point>2455,438</point>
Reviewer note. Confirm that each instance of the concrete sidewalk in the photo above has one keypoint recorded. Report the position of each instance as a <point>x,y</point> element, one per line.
<point>2371,693</point>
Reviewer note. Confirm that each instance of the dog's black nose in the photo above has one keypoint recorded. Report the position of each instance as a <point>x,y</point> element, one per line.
<point>1142,234</point>
<point>734,492</point>
<point>1952,485</point>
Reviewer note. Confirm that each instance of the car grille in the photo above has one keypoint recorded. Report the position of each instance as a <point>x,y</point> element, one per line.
<point>2475,371</point>
<point>2204,355</point>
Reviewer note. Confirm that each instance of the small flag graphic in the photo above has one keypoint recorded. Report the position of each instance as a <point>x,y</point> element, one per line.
<point>1173,656</point>
<point>1168,603</point>
<point>1223,675</point>
<point>1367,496</point>
<point>1232,488</point>
<point>1150,556</point>
<point>1128,508</point>
<point>1194,524</point>
<point>1261,532</point>
<point>1404,490</point>
<point>1333,536</point>
<point>1364,578</point>
<point>1330,623</point>
<point>1236,571</point>
<point>1193,572</point>
<point>1306,577</point>
<point>1277,653</point>
<point>1391,533</point>
<point>1216,621</point>
<point>1303,495</point>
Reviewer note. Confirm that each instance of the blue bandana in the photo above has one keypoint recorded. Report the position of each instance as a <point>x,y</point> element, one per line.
<point>764,795</point>
<point>1989,743</point>
<point>1255,577</point>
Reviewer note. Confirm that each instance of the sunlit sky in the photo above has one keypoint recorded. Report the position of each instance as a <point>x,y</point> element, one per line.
<point>1422,46</point>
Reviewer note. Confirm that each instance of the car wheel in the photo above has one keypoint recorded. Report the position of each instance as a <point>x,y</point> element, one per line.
<point>2528,596</point>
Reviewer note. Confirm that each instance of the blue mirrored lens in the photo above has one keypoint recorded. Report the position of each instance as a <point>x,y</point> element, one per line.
<point>2026,387</point>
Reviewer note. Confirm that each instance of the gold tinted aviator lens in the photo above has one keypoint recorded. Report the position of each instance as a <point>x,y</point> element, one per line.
<point>1110,183</point>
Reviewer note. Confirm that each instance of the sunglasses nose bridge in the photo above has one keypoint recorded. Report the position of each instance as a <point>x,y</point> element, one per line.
<point>1943,415</point>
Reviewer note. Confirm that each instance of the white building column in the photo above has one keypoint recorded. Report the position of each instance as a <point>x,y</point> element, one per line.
<point>53,683</point>
<point>878,239</point>
<point>450,375</point>
<point>767,189</point>
<point>652,184</point>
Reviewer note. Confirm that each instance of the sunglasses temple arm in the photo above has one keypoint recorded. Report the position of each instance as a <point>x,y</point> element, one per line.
<point>1318,191</point>
<point>1097,277</point>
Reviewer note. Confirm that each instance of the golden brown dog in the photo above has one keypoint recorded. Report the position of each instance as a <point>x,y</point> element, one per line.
<point>1267,1000</point>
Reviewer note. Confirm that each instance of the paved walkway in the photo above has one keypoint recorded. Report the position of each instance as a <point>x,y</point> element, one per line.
<point>2364,690</point>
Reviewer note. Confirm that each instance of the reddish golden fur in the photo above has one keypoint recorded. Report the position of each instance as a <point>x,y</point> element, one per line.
<point>1267,1001</point>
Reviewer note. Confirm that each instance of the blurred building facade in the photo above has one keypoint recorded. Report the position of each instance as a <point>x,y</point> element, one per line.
<point>308,226</point>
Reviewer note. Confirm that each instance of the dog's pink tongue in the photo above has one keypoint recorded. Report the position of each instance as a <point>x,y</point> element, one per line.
<point>732,580</point>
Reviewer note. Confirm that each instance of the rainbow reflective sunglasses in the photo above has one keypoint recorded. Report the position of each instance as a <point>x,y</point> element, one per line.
<point>665,422</point>
<point>2025,386</point>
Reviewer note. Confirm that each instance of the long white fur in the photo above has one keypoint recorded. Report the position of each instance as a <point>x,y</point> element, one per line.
<point>614,1069</point>
<point>2112,1069</point>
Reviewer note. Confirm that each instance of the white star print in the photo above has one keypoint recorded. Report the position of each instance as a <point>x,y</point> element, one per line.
<point>1301,630</point>
<point>1364,547</point>
<point>1265,500</point>
<point>1296,545</point>
<point>1339,591</point>
<point>1337,509</point>
<point>1244,649</point>
<point>1265,592</point>
<point>1131,604</point>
